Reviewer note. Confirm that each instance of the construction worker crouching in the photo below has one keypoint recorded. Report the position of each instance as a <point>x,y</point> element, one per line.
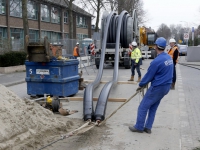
<point>159,74</point>
<point>135,62</point>
<point>173,52</point>
<point>76,51</point>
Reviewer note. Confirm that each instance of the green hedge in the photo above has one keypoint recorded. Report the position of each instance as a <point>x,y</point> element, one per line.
<point>12,59</point>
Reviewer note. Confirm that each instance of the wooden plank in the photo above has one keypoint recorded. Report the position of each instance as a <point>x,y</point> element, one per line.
<point>119,82</point>
<point>95,99</point>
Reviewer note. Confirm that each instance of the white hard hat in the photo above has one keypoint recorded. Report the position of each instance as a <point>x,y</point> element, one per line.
<point>172,41</point>
<point>134,43</point>
<point>77,43</point>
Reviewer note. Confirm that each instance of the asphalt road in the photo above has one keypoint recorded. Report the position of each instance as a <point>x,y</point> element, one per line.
<point>176,126</point>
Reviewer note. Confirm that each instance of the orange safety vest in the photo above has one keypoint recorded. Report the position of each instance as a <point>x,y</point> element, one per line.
<point>75,51</point>
<point>171,52</point>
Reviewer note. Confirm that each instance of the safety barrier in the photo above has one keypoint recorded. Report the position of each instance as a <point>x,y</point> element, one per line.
<point>84,61</point>
<point>146,54</point>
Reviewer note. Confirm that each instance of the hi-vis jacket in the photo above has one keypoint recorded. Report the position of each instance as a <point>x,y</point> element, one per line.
<point>171,53</point>
<point>136,55</point>
<point>75,53</point>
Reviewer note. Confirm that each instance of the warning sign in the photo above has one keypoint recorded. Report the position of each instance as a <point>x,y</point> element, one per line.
<point>186,36</point>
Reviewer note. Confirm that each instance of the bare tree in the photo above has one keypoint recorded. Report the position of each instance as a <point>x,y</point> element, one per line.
<point>142,14</point>
<point>113,5</point>
<point>69,3</point>
<point>164,31</point>
<point>129,5</point>
<point>25,21</point>
<point>96,6</point>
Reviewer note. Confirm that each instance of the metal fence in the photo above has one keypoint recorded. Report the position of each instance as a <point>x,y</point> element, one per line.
<point>67,48</point>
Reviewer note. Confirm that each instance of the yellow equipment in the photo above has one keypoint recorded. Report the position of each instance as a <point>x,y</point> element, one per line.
<point>147,37</point>
<point>49,100</point>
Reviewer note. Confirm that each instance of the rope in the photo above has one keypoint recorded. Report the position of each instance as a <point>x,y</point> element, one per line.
<point>142,90</point>
<point>89,125</point>
<point>82,129</point>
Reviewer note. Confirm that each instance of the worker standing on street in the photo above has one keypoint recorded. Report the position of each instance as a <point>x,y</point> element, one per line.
<point>159,74</point>
<point>76,51</point>
<point>135,61</point>
<point>173,52</point>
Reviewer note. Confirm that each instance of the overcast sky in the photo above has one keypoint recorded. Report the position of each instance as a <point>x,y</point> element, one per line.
<point>172,12</point>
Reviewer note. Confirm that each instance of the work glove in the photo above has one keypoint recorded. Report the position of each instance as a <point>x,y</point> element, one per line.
<point>138,89</point>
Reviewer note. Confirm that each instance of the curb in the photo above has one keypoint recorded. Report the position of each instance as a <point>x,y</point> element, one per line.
<point>13,83</point>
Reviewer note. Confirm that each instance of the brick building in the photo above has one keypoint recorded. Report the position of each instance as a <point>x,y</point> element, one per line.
<point>45,17</point>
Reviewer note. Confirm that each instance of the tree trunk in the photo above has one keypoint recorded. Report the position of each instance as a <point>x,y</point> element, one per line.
<point>120,6</point>
<point>98,14</point>
<point>25,20</point>
<point>70,20</point>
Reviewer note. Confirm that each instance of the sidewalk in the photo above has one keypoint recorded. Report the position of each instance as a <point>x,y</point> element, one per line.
<point>12,78</point>
<point>183,61</point>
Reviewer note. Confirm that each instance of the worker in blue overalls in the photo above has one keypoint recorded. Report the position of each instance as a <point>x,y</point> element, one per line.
<point>160,73</point>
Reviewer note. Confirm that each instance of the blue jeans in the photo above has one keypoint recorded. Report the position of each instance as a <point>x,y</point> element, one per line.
<point>137,67</point>
<point>149,104</point>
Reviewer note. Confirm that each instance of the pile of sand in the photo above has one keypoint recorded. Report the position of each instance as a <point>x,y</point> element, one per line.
<point>24,123</point>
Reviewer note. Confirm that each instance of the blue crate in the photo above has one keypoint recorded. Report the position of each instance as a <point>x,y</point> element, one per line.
<point>58,78</point>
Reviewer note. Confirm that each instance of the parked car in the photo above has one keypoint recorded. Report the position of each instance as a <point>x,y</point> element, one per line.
<point>182,50</point>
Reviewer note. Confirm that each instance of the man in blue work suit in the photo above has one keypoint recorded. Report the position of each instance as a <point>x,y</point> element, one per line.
<point>160,73</point>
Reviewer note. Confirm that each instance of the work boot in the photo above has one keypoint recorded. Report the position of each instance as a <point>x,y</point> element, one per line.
<point>147,130</point>
<point>139,79</point>
<point>173,86</point>
<point>133,129</point>
<point>131,79</point>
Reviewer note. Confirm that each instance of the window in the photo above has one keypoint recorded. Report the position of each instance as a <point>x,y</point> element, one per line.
<point>45,16</point>
<point>16,8</point>
<point>52,36</point>
<point>81,36</point>
<point>17,36</point>
<point>3,32</point>
<point>16,33</point>
<point>55,36</point>
<point>55,15</point>
<point>65,17</point>
<point>2,7</point>
<point>33,35</point>
<point>3,35</point>
<point>66,36</point>
<point>32,9</point>
<point>46,33</point>
<point>81,21</point>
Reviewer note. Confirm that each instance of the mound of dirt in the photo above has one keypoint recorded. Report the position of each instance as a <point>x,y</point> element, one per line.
<point>25,124</point>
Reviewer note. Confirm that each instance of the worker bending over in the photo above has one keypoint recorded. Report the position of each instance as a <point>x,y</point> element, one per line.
<point>135,61</point>
<point>159,74</point>
<point>173,52</point>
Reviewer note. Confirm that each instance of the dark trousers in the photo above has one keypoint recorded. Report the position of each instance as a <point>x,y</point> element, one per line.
<point>174,74</point>
<point>135,66</point>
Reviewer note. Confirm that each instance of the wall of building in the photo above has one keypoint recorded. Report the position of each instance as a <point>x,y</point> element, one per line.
<point>33,24</point>
<point>50,26</point>
<point>82,30</point>
<point>3,20</point>
<point>16,22</point>
<point>63,28</point>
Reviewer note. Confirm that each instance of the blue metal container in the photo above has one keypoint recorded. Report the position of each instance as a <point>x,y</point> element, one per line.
<point>57,78</point>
